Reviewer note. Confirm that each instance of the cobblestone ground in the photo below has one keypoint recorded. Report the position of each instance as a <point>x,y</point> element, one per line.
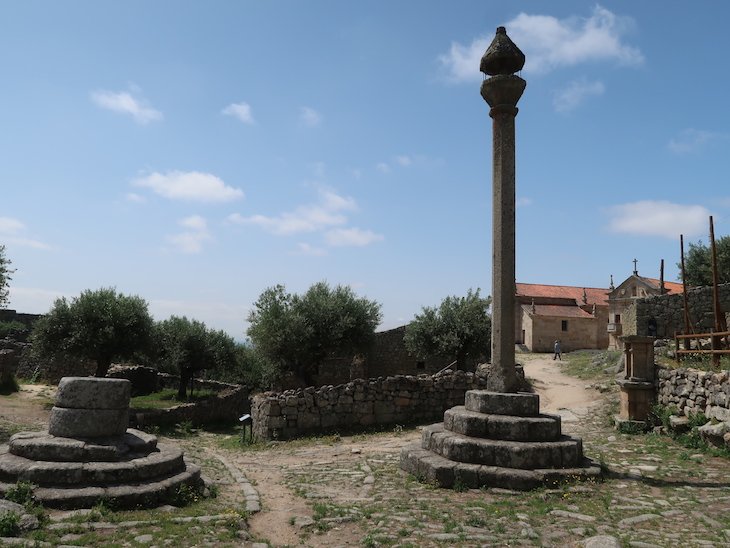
<point>351,492</point>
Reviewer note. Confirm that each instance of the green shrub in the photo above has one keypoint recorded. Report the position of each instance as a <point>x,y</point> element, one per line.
<point>21,493</point>
<point>8,384</point>
<point>9,524</point>
<point>13,329</point>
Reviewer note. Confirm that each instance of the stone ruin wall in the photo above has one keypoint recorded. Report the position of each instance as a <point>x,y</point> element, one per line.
<point>668,312</point>
<point>359,404</point>
<point>230,401</point>
<point>692,391</point>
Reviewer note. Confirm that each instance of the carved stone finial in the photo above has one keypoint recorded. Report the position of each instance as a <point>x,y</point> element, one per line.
<point>502,56</point>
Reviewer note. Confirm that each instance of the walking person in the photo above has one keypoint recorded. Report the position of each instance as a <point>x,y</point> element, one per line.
<point>557,354</point>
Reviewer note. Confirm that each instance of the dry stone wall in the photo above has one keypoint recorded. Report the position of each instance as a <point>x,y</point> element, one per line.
<point>692,391</point>
<point>666,312</point>
<point>360,403</point>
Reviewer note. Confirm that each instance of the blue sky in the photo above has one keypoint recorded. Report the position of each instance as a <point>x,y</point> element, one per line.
<point>195,153</point>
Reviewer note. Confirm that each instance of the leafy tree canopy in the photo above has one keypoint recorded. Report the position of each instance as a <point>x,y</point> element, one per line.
<point>698,263</point>
<point>100,325</point>
<point>297,332</point>
<point>5,272</point>
<point>460,328</point>
<point>184,346</point>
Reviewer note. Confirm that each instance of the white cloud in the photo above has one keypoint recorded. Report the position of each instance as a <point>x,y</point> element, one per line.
<point>194,222</point>
<point>309,250</point>
<point>404,161</point>
<point>242,111</point>
<point>136,198</point>
<point>575,93</point>
<point>691,140</point>
<point>310,117</point>
<point>382,167</point>
<point>523,202</point>
<point>549,43</point>
<point>658,218</point>
<point>351,237</point>
<point>8,225</point>
<point>11,232</point>
<point>191,240</point>
<point>328,211</point>
<point>125,103</point>
<point>190,186</point>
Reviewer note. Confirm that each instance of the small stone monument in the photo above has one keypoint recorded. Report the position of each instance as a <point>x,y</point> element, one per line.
<point>637,385</point>
<point>89,454</point>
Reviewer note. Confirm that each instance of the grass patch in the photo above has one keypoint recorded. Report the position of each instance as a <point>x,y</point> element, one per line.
<point>589,364</point>
<point>164,399</point>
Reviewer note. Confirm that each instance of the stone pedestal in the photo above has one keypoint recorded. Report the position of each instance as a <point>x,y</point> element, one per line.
<point>88,454</point>
<point>637,385</point>
<point>497,440</point>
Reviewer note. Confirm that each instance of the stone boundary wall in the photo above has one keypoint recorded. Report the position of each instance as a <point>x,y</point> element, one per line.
<point>230,402</point>
<point>668,312</point>
<point>360,403</point>
<point>226,406</point>
<point>692,391</point>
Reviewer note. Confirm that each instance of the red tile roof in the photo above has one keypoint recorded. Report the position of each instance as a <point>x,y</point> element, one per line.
<point>594,295</point>
<point>558,311</point>
<point>671,287</point>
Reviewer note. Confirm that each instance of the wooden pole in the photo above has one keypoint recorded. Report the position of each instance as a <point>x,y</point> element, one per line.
<point>719,317</point>
<point>662,290</point>
<point>687,324</point>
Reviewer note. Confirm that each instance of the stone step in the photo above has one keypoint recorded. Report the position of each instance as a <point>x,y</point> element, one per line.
<point>43,446</point>
<point>520,404</point>
<point>502,427</point>
<point>130,495</point>
<point>435,469</point>
<point>168,459</point>
<point>566,452</point>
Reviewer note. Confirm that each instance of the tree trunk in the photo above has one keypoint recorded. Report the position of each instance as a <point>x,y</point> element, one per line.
<point>185,376</point>
<point>102,367</point>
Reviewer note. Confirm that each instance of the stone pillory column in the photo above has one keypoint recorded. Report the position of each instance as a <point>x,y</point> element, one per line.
<point>502,91</point>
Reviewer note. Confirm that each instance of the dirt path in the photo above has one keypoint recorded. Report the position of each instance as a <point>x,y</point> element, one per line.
<point>29,408</point>
<point>559,393</point>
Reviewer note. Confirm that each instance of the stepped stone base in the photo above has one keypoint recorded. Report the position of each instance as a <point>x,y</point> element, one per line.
<point>130,470</point>
<point>497,440</point>
<point>88,454</point>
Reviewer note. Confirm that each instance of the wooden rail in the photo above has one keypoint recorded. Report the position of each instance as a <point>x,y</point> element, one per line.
<point>715,341</point>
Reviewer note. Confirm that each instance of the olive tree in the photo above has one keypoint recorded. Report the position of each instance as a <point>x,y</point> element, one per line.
<point>297,332</point>
<point>5,272</point>
<point>460,328</point>
<point>698,263</point>
<point>183,347</point>
<point>100,325</point>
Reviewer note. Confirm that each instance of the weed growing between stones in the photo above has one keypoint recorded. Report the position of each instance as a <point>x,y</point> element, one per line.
<point>9,524</point>
<point>21,493</point>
